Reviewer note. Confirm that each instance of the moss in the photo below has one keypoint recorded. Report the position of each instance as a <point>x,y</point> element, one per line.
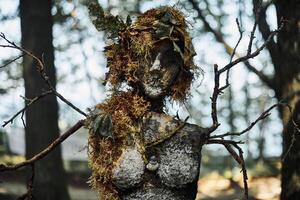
<point>126,109</point>
<point>131,52</point>
<point>136,44</point>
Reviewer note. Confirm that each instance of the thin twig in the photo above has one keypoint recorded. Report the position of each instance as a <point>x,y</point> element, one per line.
<point>214,99</point>
<point>296,126</point>
<point>257,12</point>
<point>41,69</point>
<point>235,47</point>
<point>46,151</point>
<point>22,118</point>
<point>293,140</point>
<point>31,101</point>
<point>239,40</point>
<point>219,38</point>
<point>11,61</point>
<point>221,141</point>
<point>262,116</point>
<point>218,89</point>
<point>228,144</point>
<point>244,170</point>
<point>61,97</point>
<point>252,55</point>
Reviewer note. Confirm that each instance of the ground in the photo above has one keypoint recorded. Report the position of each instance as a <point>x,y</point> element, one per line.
<point>212,187</point>
<point>215,187</point>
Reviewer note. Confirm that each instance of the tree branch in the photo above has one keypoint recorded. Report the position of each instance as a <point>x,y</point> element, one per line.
<point>262,116</point>
<point>264,78</point>
<point>41,69</point>
<point>31,101</point>
<point>11,61</point>
<point>218,35</point>
<point>214,98</point>
<point>239,158</point>
<point>46,151</point>
<point>264,29</point>
<point>229,50</point>
<point>251,55</point>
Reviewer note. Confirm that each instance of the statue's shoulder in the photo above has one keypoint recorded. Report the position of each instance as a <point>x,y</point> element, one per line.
<point>158,127</point>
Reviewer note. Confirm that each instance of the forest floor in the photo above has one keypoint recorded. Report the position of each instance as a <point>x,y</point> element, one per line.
<point>263,185</point>
<point>212,187</point>
<point>216,187</point>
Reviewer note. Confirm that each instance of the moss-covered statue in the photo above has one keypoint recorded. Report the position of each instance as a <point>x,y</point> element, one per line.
<point>136,151</point>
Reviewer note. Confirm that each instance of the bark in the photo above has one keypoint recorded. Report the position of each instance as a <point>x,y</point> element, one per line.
<point>287,78</point>
<point>41,118</point>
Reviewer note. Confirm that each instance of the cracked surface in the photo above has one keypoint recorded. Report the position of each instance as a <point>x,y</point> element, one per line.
<point>178,159</point>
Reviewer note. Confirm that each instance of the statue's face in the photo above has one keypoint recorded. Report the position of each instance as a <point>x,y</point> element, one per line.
<point>157,78</point>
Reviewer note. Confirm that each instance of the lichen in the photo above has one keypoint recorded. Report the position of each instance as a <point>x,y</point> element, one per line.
<point>125,109</point>
<point>136,44</point>
<point>130,170</point>
<point>132,50</point>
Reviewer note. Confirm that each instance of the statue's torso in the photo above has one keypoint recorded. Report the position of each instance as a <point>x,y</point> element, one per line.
<point>172,165</point>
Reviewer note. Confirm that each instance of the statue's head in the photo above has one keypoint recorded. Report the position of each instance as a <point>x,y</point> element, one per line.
<point>154,55</point>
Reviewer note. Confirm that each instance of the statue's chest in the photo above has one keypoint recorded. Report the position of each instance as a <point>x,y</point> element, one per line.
<point>173,158</point>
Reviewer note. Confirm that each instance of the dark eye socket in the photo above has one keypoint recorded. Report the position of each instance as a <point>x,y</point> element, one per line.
<point>162,47</point>
<point>171,58</point>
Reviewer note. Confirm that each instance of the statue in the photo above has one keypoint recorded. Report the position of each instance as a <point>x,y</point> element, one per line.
<point>136,150</point>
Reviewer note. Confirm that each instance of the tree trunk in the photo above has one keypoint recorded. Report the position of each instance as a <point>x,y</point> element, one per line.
<point>41,118</point>
<point>288,87</point>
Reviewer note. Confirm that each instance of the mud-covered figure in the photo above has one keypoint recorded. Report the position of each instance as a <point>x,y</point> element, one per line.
<point>136,150</point>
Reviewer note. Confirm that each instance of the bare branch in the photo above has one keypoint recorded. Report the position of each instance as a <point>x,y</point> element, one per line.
<point>47,150</point>
<point>239,158</point>
<point>221,141</point>
<point>214,99</point>
<point>234,50</point>
<point>244,170</point>
<point>239,40</point>
<point>11,61</point>
<point>41,69</point>
<point>218,90</point>
<point>256,14</point>
<point>264,29</point>
<point>293,140</point>
<point>69,103</point>
<point>251,55</point>
<point>229,50</point>
<point>31,101</point>
<point>296,131</point>
<point>262,116</point>
<point>264,78</point>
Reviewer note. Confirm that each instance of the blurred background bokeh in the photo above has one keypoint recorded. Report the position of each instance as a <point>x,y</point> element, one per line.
<point>80,66</point>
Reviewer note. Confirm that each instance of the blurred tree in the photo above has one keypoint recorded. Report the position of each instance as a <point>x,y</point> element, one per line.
<point>42,118</point>
<point>285,82</point>
<point>284,51</point>
<point>285,54</point>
